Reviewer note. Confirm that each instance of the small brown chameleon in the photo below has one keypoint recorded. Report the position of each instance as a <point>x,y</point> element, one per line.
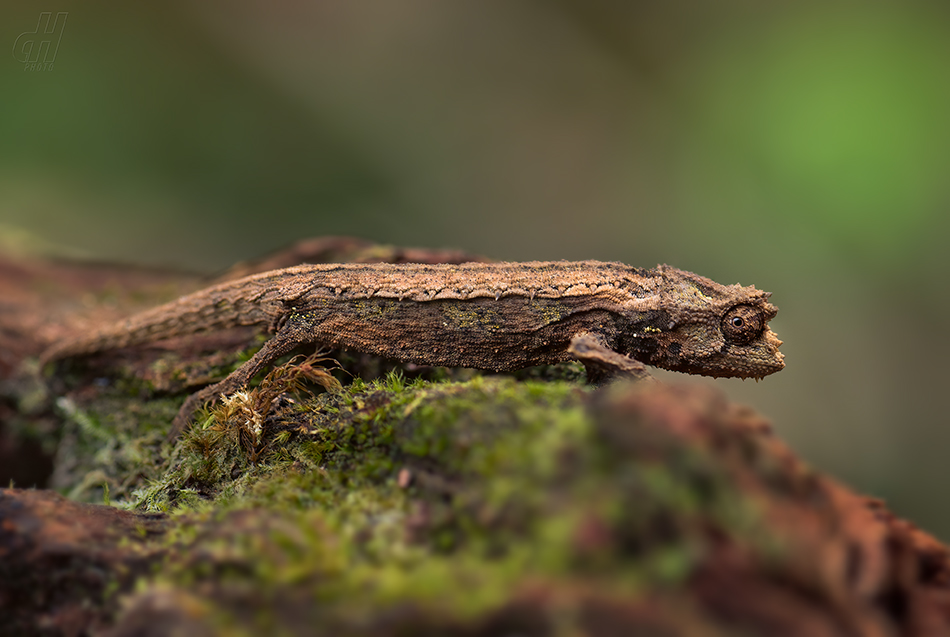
<point>490,316</point>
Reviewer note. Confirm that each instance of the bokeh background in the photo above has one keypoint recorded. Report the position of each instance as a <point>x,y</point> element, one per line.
<point>800,146</point>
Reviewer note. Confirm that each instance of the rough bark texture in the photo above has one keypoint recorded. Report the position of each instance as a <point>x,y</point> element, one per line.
<point>450,504</point>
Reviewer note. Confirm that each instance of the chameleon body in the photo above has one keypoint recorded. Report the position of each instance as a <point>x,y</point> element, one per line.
<point>491,316</point>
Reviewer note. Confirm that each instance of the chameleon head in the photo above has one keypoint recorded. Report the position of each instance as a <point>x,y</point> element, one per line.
<point>711,329</point>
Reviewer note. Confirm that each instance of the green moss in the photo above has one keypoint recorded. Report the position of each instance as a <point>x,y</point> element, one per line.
<point>401,493</point>
<point>502,477</point>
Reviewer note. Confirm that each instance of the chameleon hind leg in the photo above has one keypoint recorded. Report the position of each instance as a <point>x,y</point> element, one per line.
<point>289,337</point>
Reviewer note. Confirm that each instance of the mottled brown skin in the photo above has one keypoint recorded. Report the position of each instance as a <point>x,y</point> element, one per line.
<point>491,316</point>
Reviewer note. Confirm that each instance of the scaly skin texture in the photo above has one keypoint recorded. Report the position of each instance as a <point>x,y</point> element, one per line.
<point>491,316</point>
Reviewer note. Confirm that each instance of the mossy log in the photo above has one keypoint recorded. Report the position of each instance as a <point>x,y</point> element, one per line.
<point>386,500</point>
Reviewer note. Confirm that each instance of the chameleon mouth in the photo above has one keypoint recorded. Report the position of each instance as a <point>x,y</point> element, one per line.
<point>773,360</point>
<point>761,359</point>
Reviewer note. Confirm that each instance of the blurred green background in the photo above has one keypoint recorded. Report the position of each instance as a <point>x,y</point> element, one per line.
<point>800,146</point>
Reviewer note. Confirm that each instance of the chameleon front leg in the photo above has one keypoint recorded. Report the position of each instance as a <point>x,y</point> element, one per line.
<point>603,363</point>
<point>287,338</point>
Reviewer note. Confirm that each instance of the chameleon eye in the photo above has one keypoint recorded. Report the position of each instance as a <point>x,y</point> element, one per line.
<point>742,324</point>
